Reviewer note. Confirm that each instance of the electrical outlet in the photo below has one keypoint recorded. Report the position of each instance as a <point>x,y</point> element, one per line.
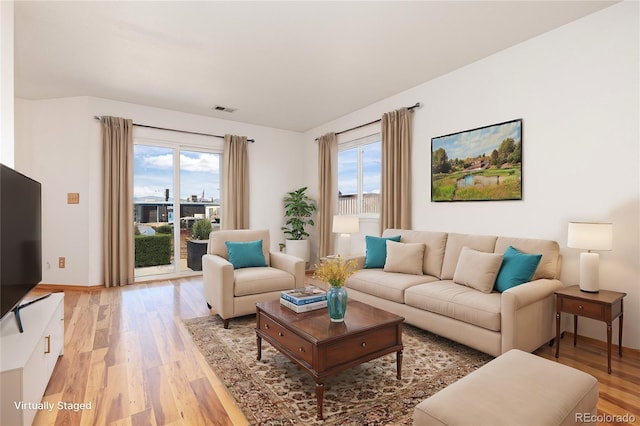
<point>61,262</point>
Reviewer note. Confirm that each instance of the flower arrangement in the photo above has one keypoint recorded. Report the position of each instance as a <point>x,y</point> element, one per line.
<point>335,271</point>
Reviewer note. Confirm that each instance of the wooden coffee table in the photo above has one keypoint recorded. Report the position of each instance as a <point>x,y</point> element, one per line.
<point>324,348</point>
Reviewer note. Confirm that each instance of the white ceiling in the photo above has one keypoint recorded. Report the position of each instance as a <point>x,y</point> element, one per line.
<point>288,65</point>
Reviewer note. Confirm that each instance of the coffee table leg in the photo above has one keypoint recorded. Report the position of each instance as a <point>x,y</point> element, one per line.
<point>399,365</point>
<point>319,398</point>
<point>259,342</point>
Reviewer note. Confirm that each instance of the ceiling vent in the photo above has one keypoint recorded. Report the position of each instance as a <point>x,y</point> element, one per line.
<point>223,108</point>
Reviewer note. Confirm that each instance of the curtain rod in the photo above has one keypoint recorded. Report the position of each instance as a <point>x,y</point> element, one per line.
<point>176,130</point>
<point>411,108</point>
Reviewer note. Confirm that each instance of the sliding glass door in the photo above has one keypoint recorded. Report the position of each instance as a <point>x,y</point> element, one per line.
<point>199,200</point>
<point>164,217</point>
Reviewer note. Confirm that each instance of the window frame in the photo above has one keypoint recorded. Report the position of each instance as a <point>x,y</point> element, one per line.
<point>358,144</point>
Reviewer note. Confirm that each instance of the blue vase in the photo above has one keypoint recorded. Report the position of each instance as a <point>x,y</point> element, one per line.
<point>337,303</point>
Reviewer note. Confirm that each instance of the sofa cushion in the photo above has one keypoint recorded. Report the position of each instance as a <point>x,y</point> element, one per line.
<point>386,285</point>
<point>376,250</point>
<point>245,254</point>
<point>405,258</point>
<point>455,242</point>
<point>517,268</point>
<point>458,302</point>
<point>435,243</point>
<point>261,280</point>
<point>477,269</point>
<point>549,266</point>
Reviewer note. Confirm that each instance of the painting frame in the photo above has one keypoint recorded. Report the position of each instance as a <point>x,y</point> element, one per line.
<point>480,164</point>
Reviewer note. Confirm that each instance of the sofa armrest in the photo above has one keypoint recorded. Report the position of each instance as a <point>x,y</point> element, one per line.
<point>291,264</point>
<point>527,315</point>
<point>218,284</point>
<point>525,294</point>
<point>359,260</point>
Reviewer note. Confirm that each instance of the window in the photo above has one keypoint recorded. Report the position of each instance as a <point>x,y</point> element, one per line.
<point>359,176</point>
<point>172,188</point>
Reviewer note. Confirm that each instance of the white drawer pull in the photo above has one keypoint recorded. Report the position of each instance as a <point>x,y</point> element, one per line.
<point>364,344</point>
<point>48,350</point>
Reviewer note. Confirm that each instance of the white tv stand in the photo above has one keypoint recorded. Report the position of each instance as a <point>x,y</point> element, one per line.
<point>28,359</point>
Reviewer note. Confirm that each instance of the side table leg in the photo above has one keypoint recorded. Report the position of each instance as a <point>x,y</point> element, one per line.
<point>557,334</point>
<point>399,365</point>
<point>620,335</point>
<point>575,329</point>
<point>259,342</point>
<point>319,398</point>
<point>609,347</point>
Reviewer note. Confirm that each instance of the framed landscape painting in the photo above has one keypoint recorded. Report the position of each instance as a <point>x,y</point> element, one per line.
<point>483,164</point>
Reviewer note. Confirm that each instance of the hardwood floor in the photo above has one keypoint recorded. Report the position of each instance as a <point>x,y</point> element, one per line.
<point>128,355</point>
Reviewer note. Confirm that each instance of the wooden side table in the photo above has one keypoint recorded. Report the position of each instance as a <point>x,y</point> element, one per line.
<point>604,306</point>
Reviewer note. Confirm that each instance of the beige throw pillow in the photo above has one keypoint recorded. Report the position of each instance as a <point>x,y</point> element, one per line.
<point>405,258</point>
<point>477,269</point>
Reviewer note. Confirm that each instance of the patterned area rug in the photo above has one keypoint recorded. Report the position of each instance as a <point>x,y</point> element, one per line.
<point>275,391</point>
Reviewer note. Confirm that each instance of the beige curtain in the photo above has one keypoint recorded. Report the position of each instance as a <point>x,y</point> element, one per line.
<point>396,170</point>
<point>117,146</point>
<point>235,183</point>
<point>328,178</point>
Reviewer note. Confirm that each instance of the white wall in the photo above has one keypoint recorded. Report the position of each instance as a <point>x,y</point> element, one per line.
<point>577,90</point>
<point>6,83</point>
<point>58,143</point>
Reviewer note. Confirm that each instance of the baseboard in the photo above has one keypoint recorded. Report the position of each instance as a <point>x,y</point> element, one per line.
<point>603,345</point>
<point>66,287</point>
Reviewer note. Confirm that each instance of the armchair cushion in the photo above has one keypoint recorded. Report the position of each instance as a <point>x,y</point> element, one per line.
<point>250,281</point>
<point>245,254</point>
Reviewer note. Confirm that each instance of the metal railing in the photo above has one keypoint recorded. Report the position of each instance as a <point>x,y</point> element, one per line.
<point>348,204</point>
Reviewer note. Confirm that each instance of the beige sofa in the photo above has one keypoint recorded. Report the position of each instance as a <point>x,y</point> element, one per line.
<point>520,317</point>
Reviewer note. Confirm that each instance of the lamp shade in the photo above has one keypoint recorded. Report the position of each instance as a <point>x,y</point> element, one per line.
<point>590,236</point>
<point>346,224</point>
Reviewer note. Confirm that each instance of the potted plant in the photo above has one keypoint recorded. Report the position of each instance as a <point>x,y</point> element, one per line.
<point>298,209</point>
<point>197,246</point>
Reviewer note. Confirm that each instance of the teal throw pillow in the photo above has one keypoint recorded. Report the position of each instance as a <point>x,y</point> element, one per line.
<point>376,254</point>
<point>517,268</point>
<point>245,254</point>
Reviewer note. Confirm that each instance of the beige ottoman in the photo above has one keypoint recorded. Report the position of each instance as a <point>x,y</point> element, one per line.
<point>515,389</point>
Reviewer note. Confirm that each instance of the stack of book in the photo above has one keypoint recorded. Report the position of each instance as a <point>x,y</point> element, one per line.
<point>304,299</point>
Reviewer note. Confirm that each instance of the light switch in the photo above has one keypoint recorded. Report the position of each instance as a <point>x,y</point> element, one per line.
<point>73,198</point>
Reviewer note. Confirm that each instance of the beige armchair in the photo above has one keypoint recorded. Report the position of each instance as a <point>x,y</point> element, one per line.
<point>235,292</point>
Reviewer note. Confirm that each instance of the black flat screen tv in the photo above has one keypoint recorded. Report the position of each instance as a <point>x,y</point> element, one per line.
<point>20,237</point>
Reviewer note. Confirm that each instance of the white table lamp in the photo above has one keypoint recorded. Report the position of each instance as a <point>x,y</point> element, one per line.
<point>590,236</point>
<point>345,226</point>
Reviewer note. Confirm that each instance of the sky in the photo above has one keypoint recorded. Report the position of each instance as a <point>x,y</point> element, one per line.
<point>371,169</point>
<point>153,173</point>
<point>471,144</point>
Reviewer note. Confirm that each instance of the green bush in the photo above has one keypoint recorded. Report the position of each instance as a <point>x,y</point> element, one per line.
<point>201,229</point>
<point>152,250</point>
<point>164,229</point>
